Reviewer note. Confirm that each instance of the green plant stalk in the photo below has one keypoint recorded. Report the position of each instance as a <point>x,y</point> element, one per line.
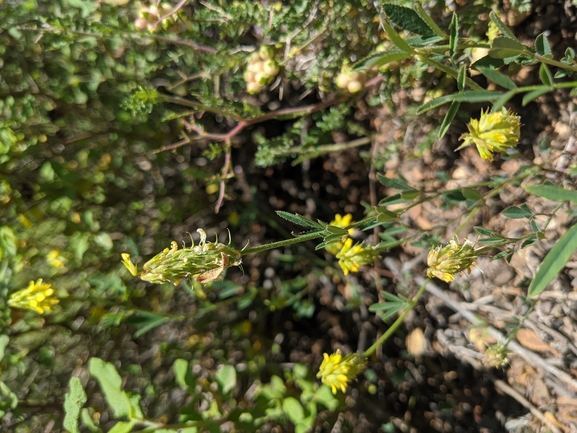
<point>410,305</point>
<point>556,63</point>
<point>447,70</point>
<point>324,148</point>
<point>492,193</point>
<point>286,242</point>
<point>513,333</point>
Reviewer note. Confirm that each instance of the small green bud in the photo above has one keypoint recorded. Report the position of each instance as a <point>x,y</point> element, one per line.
<point>354,87</point>
<point>270,68</point>
<point>266,52</point>
<point>342,80</point>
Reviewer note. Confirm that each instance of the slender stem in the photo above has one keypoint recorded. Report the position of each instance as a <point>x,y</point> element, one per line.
<point>200,107</point>
<point>552,62</point>
<point>410,305</point>
<point>284,243</point>
<point>490,194</point>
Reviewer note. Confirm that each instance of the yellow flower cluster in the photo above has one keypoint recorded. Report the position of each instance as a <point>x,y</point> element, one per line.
<point>337,371</point>
<point>352,256</point>
<point>446,261</point>
<point>38,296</point>
<point>495,131</point>
<point>342,222</point>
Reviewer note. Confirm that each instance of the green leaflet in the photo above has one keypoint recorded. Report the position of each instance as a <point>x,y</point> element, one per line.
<point>73,402</point>
<point>554,262</point>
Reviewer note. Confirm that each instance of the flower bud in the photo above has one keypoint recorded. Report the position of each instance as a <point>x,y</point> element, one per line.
<point>261,78</point>
<point>266,52</point>
<point>270,68</point>
<point>342,80</point>
<point>354,87</point>
<point>253,88</point>
<point>140,23</point>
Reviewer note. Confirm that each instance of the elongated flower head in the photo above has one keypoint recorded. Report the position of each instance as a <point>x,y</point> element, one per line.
<point>494,131</point>
<point>446,261</point>
<point>351,257</point>
<point>337,371</point>
<point>342,222</point>
<point>203,262</point>
<point>38,296</point>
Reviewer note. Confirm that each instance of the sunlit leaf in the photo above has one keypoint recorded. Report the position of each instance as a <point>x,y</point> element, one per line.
<point>554,261</point>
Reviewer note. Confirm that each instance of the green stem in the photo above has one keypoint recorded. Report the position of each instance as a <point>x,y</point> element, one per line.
<point>200,107</point>
<point>556,63</point>
<point>410,305</point>
<point>490,194</point>
<point>447,70</point>
<point>284,243</point>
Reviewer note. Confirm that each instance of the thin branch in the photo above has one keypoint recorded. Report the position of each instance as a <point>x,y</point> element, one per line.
<point>523,401</point>
<point>225,170</point>
<point>172,12</point>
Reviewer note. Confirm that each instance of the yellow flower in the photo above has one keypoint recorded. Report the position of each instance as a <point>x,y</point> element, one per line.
<point>337,371</point>
<point>445,262</point>
<point>351,257</point>
<point>54,259</point>
<point>495,131</point>
<point>37,296</point>
<point>342,222</point>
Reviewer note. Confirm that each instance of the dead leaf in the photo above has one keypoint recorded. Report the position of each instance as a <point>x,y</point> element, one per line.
<point>551,418</point>
<point>480,336</point>
<point>531,341</point>
<point>415,342</point>
<point>213,274</point>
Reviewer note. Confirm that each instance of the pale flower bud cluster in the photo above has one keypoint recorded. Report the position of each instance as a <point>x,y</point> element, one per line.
<point>149,18</point>
<point>351,81</point>
<point>261,69</point>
